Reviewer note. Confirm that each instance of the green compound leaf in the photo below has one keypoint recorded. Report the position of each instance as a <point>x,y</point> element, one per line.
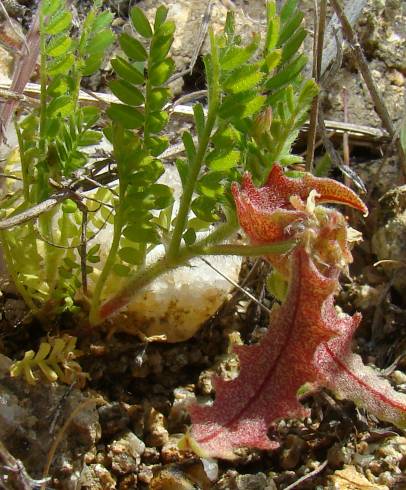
<point>199,119</point>
<point>160,16</point>
<point>242,105</point>
<point>211,186</point>
<point>288,9</point>
<point>290,27</point>
<point>127,71</point>
<point>140,22</point>
<point>90,137</point>
<point>288,73</point>
<point>189,145</point>
<point>157,121</point>
<point>235,56</point>
<point>49,7</point>
<point>60,65</point>
<point>126,92</point>
<point>131,255</point>
<point>121,270</point>
<point>155,196</point>
<point>205,208</point>
<point>141,233</point>
<point>92,64</point>
<point>102,20</point>
<point>157,144</point>
<point>158,98</point>
<point>61,105</point>
<point>293,45</point>
<point>128,117</point>
<point>160,47</point>
<point>223,160</point>
<point>189,236</point>
<point>273,28</point>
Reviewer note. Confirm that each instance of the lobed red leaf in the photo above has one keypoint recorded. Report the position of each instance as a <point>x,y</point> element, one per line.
<point>272,371</point>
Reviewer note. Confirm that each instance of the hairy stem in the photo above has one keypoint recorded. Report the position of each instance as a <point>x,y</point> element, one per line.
<point>96,298</point>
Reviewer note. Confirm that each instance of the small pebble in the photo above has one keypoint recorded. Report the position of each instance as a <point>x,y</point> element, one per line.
<point>125,453</point>
<point>157,435</point>
<point>145,474</point>
<point>292,452</point>
<point>113,418</point>
<point>338,455</point>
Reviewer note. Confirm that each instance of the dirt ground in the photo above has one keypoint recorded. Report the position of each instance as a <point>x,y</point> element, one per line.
<point>133,407</point>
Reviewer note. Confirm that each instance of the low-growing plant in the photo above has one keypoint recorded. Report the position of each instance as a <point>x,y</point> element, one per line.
<point>54,360</point>
<point>308,342</point>
<point>257,101</point>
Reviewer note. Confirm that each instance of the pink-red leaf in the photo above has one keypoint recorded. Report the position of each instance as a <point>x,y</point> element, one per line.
<point>265,212</point>
<point>344,373</point>
<point>272,371</point>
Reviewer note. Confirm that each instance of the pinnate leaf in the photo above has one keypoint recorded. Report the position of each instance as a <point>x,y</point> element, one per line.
<point>100,42</point>
<point>126,92</point>
<point>161,72</point>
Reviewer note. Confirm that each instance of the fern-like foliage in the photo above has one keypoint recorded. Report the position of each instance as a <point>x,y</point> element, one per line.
<point>136,135</point>
<point>54,360</point>
<point>263,103</point>
<point>257,101</point>
<point>51,146</point>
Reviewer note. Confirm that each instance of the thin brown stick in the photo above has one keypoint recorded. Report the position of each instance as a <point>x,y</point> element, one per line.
<point>313,473</point>
<point>362,63</point>
<point>346,147</point>
<point>236,285</point>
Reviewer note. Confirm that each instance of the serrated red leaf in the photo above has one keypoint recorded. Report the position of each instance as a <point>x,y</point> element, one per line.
<point>344,373</point>
<point>272,371</point>
<point>307,342</point>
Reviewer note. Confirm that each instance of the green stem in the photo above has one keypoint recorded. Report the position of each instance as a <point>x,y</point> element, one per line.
<point>25,167</point>
<point>95,303</point>
<point>150,272</point>
<point>196,164</point>
<point>54,259</point>
<point>43,81</point>
<point>246,250</point>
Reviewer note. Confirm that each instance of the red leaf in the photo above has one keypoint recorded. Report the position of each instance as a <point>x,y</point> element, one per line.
<point>270,372</point>
<point>307,342</point>
<point>265,213</point>
<point>345,374</point>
